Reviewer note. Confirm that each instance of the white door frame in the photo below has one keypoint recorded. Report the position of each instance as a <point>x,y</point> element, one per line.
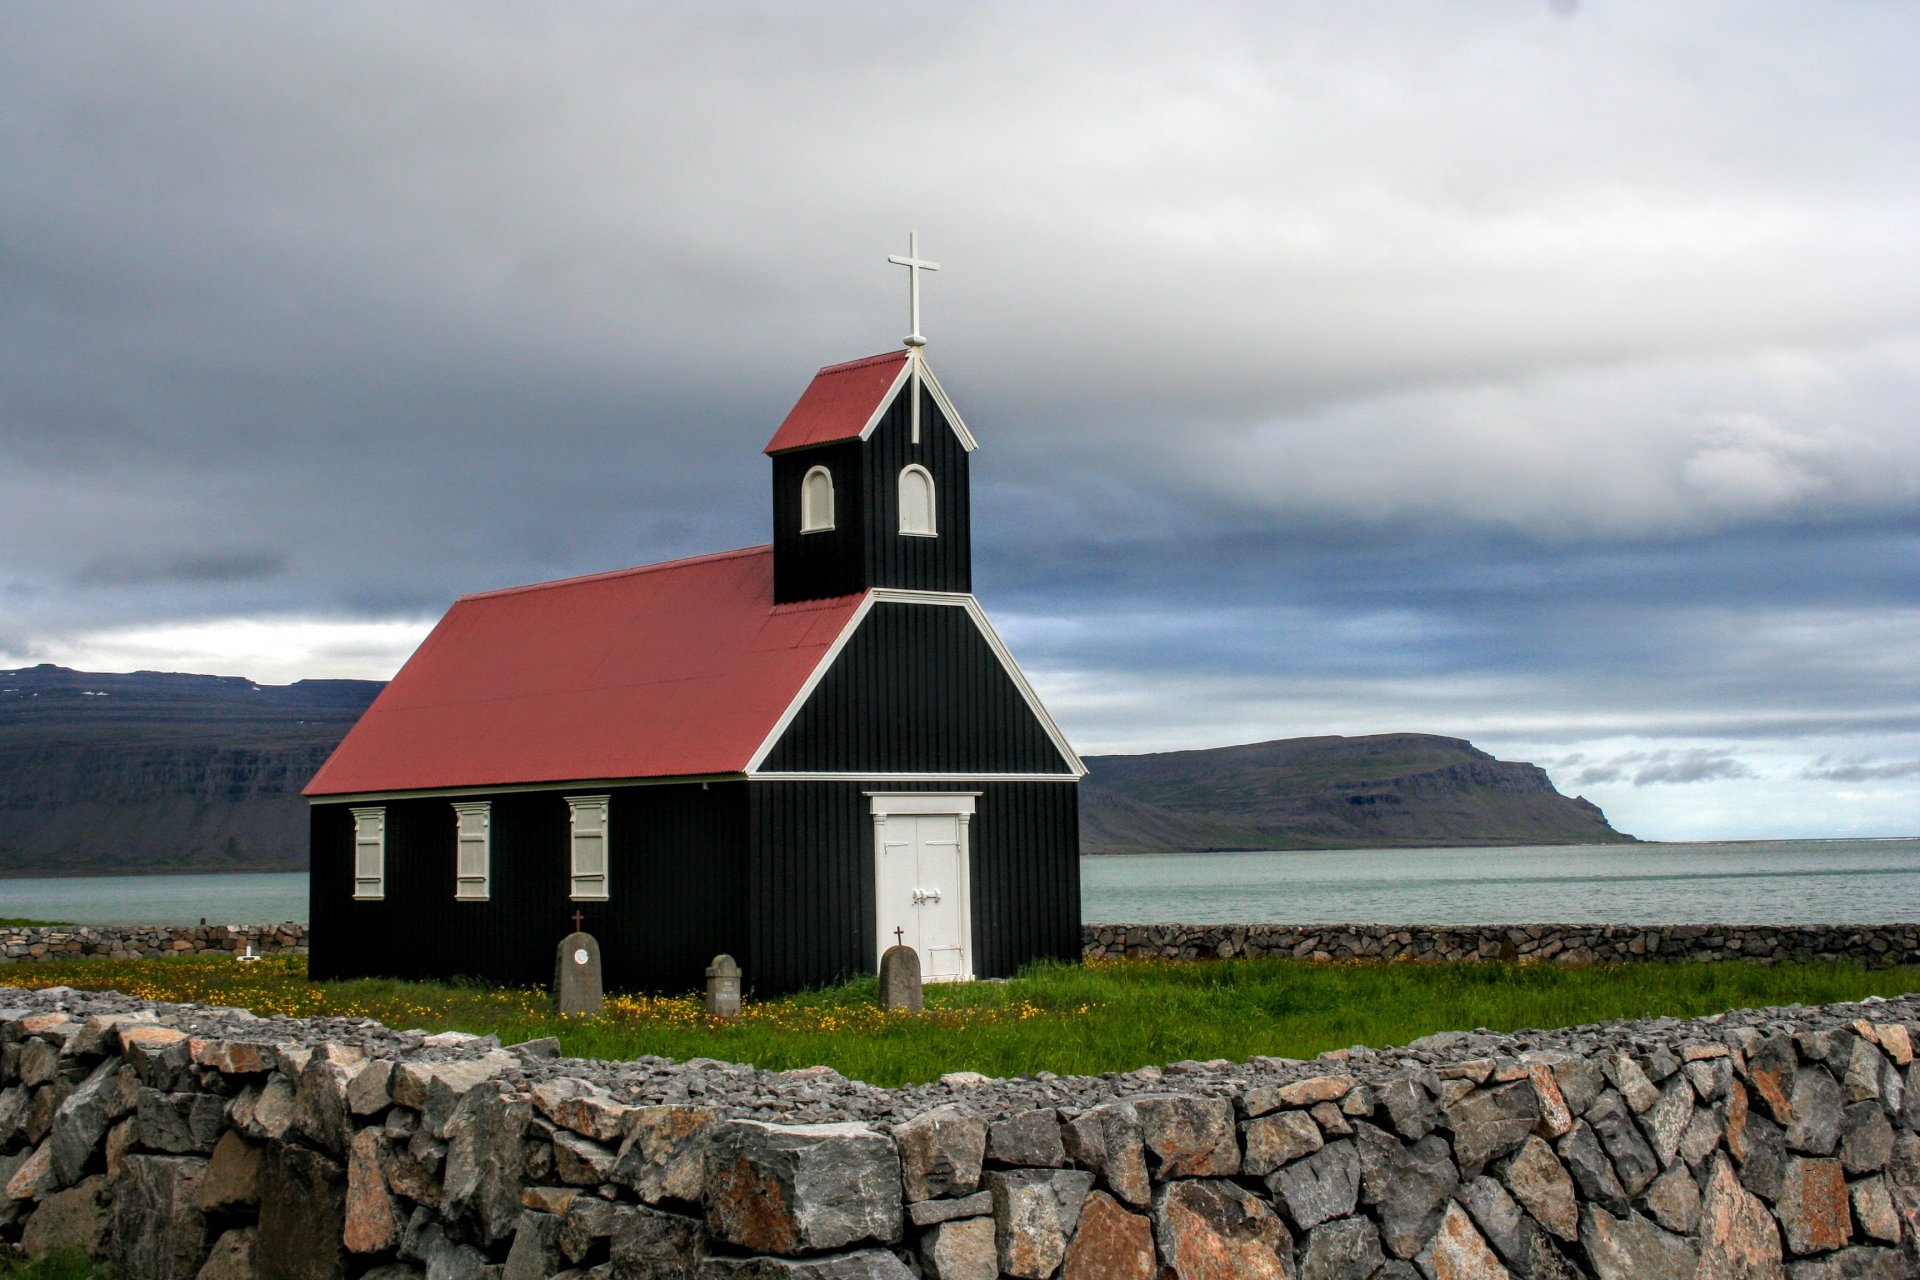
<point>958,805</point>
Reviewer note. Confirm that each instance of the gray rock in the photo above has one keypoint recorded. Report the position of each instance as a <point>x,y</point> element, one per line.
<point>1488,1123</point>
<point>1186,1136</point>
<point>1633,1248</point>
<point>1858,1263</point>
<point>1407,1186</point>
<point>792,1188</point>
<point>1739,1239</point>
<point>1710,1077</point>
<point>867,1264</point>
<point>941,1151</point>
<point>581,1162</point>
<point>1703,1134</point>
<point>1106,1139</point>
<point>1207,1227</point>
<point>443,1257</point>
<point>1674,1200</point>
<point>72,1219</point>
<point>1348,1249</point>
<point>658,1245</point>
<point>156,1231</point>
<point>368,1091</point>
<point>81,1122</point>
<point>1866,1138</point>
<point>481,1183</point>
<point>232,1182</point>
<point>234,1256</point>
<point>1864,1068</point>
<point>179,1123</point>
<point>1874,1210</point>
<point>320,1112</point>
<point>1580,1078</point>
<point>1541,1184</point>
<point>1273,1140</point>
<point>1034,1212</point>
<point>1319,1188</point>
<point>1583,1156</point>
<point>927,1213</point>
<point>1665,1122</point>
<point>1496,1213</point>
<point>1029,1140</point>
<point>1410,1108</point>
<point>1817,1104</point>
<point>961,1250</point>
<point>663,1157</point>
<point>1766,1159</point>
<point>303,1211</point>
<point>588,1219</point>
<point>1625,1074</point>
<point>1633,1160</point>
<point>1814,1210</point>
<point>535,1254</point>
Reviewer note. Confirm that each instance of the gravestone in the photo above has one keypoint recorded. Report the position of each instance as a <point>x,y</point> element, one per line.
<point>576,975</point>
<point>723,987</point>
<point>900,979</point>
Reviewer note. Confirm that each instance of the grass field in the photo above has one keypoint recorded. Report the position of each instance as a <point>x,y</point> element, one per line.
<point>1107,1016</point>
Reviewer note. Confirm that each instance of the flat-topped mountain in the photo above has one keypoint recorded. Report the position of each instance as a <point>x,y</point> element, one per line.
<point>156,771</point>
<point>1384,790</point>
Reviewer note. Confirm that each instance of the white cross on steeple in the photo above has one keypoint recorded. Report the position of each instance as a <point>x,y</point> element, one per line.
<point>914,265</point>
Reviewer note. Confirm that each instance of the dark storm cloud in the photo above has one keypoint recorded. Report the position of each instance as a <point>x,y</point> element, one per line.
<point>1477,364</point>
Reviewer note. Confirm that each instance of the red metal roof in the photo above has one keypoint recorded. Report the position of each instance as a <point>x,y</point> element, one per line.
<point>670,670</point>
<point>839,402</point>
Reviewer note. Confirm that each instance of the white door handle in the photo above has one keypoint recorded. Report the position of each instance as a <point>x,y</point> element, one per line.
<point>926,895</point>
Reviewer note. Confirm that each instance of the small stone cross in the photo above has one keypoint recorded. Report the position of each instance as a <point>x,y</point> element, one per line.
<point>899,936</point>
<point>577,918</point>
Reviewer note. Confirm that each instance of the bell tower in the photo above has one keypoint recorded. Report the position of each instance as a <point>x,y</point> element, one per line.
<point>870,484</point>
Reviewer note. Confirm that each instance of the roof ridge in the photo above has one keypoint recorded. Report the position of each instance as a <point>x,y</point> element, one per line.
<point>763,549</point>
<point>862,362</point>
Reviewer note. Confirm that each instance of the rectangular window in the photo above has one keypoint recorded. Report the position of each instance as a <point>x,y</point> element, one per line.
<point>588,815</point>
<point>473,850</point>
<point>369,853</point>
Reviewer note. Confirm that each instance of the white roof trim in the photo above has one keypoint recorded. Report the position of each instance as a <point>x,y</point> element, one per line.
<point>518,788</point>
<point>914,777</point>
<point>949,599</point>
<point>947,410</point>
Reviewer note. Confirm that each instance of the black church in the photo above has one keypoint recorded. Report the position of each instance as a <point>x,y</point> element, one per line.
<point>793,753</point>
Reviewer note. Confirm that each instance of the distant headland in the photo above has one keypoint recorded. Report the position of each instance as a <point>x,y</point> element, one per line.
<point>106,774</point>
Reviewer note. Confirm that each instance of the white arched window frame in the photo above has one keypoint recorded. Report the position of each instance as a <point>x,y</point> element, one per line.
<point>916,501</point>
<point>816,501</point>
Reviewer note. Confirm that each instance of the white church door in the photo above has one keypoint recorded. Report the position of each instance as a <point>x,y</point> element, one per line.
<point>921,882</point>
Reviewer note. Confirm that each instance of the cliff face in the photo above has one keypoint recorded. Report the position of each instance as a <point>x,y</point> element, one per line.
<point>1388,790</point>
<point>161,772</point>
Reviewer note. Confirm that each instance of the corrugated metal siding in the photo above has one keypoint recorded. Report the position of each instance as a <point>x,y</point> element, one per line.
<point>916,690</point>
<point>813,878</point>
<point>815,566</point>
<point>865,547</point>
<point>676,875</point>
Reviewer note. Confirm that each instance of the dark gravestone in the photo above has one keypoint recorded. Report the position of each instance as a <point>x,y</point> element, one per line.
<point>900,979</point>
<point>576,976</point>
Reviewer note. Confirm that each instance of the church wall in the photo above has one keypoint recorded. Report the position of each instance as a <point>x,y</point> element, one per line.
<point>813,878</point>
<point>916,690</point>
<point>675,866</point>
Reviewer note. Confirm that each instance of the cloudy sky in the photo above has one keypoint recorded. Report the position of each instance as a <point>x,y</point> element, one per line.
<point>1538,373</point>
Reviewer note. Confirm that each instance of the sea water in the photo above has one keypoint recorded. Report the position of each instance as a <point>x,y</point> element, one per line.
<point>1744,882</point>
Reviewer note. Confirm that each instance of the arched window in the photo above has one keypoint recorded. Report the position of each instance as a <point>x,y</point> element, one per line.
<point>916,501</point>
<point>816,501</point>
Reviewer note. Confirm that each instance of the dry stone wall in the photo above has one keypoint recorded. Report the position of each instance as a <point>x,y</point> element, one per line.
<point>183,1142</point>
<point>147,941</point>
<point>1876,945</point>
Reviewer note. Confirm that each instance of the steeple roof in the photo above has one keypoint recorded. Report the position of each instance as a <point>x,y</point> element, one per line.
<point>845,401</point>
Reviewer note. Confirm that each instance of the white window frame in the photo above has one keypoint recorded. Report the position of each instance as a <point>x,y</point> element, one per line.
<point>472,850</point>
<point>369,853</point>
<point>813,518</point>
<point>589,812</point>
<point>918,475</point>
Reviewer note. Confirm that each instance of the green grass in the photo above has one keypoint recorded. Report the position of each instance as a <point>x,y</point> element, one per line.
<point>1070,1019</point>
<point>21,922</point>
<point>61,1264</point>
